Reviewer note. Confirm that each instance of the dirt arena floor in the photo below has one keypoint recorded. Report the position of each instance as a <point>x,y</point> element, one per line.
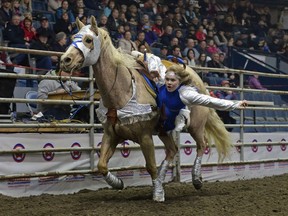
<point>257,197</point>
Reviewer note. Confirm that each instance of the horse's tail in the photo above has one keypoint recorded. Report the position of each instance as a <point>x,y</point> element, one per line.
<point>215,130</point>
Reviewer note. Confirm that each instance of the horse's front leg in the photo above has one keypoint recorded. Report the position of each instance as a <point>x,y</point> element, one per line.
<point>108,147</point>
<point>147,147</point>
<point>171,150</point>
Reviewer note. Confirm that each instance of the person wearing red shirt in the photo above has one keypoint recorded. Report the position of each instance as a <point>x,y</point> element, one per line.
<point>200,34</point>
<point>29,30</point>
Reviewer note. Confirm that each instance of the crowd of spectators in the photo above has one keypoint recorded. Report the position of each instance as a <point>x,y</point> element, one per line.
<point>196,31</point>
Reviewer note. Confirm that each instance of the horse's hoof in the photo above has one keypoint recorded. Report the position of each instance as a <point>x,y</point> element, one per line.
<point>120,185</point>
<point>114,182</point>
<point>197,183</point>
<point>158,191</point>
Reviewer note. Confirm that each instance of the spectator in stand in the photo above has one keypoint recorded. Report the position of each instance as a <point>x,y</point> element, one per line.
<point>168,20</point>
<point>195,23</point>
<point>222,59</point>
<point>189,12</point>
<point>150,36</point>
<point>78,8</point>
<point>60,45</point>
<point>192,33</point>
<point>65,9</point>
<point>262,45</point>
<point>53,5</point>
<point>29,30</point>
<point>150,8</point>
<point>64,25</point>
<point>212,48</point>
<point>163,52</point>
<point>84,19</point>
<point>45,26</point>
<point>167,36</point>
<point>26,6</point>
<point>254,82</point>
<point>94,5</point>
<point>118,35</point>
<point>109,7</point>
<point>141,48</point>
<point>227,95</point>
<point>176,51</point>
<point>5,13</point>
<point>126,44</point>
<point>45,87</point>
<point>181,40</point>
<point>261,29</point>
<point>141,40</point>
<point>190,58</point>
<point>202,62</point>
<point>145,19</point>
<point>283,20</point>
<point>103,21</point>
<point>15,7</point>
<point>80,12</point>
<point>173,42</point>
<point>179,22</point>
<point>113,22</point>
<point>200,34</point>
<point>190,44</point>
<point>157,27</point>
<point>41,43</point>
<point>197,11</point>
<point>202,47</point>
<point>133,13</point>
<point>221,41</point>
<point>215,63</point>
<point>274,46</point>
<point>15,35</point>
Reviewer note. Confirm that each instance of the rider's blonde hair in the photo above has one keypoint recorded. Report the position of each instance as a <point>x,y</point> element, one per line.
<point>180,71</point>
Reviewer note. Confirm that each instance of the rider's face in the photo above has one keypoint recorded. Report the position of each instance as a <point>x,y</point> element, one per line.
<point>171,81</point>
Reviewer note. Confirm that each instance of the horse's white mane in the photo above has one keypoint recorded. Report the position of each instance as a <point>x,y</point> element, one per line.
<point>117,56</point>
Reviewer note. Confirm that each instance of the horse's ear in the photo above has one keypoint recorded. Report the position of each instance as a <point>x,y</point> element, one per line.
<point>79,24</point>
<point>94,26</point>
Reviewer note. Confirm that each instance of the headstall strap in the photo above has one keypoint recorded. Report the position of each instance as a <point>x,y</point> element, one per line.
<point>144,70</point>
<point>112,116</point>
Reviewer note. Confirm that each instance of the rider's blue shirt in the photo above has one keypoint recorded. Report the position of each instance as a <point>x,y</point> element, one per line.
<point>170,104</point>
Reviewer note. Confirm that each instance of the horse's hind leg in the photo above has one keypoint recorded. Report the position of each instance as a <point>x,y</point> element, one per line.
<point>108,147</point>
<point>147,147</point>
<point>196,129</point>
<point>171,150</point>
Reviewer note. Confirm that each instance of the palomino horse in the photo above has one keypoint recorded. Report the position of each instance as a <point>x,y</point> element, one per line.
<point>129,111</point>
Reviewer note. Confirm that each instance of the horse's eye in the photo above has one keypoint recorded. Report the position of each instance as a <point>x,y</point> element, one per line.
<point>88,40</point>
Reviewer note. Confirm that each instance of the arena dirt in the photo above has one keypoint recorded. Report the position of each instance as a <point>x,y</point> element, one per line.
<point>257,197</point>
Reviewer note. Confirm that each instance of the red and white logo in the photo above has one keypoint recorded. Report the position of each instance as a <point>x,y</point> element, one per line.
<point>48,156</point>
<point>188,150</point>
<point>125,151</point>
<point>207,150</point>
<point>19,157</point>
<point>269,147</point>
<point>254,147</point>
<point>75,154</point>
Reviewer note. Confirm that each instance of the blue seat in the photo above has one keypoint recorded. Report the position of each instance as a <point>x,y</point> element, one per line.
<point>31,106</point>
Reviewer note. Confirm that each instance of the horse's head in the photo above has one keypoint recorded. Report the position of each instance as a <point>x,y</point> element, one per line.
<point>84,49</point>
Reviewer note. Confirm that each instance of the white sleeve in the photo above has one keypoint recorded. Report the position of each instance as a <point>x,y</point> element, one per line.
<point>190,96</point>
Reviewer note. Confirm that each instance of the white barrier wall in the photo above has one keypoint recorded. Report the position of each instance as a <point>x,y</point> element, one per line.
<point>76,160</point>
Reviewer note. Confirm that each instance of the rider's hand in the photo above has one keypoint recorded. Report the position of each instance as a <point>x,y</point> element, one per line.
<point>243,104</point>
